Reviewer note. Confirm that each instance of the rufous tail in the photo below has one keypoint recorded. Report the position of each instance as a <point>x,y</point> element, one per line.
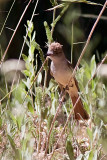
<point>79,111</point>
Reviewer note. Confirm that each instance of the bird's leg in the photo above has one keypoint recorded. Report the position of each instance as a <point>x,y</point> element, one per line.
<point>70,84</point>
<point>62,92</point>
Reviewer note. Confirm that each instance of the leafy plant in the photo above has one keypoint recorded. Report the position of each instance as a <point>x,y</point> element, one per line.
<point>30,122</point>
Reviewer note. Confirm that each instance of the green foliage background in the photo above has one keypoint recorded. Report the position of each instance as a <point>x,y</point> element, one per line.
<point>26,116</point>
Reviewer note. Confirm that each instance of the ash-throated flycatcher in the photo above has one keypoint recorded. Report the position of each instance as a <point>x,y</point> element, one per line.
<point>61,70</point>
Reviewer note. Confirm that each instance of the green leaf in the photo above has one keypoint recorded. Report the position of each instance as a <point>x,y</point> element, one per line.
<point>19,121</point>
<point>90,134</point>
<point>12,142</point>
<point>48,32</point>
<point>104,144</point>
<point>50,119</point>
<point>19,94</point>
<point>0,122</point>
<point>34,35</point>
<point>28,83</point>
<point>24,57</point>
<point>26,73</point>
<point>27,42</point>
<point>31,109</point>
<point>93,65</point>
<point>95,157</point>
<point>82,1</point>
<point>39,79</point>
<point>30,28</point>
<point>18,155</point>
<point>69,149</point>
<point>33,46</point>
<point>59,17</point>
<point>12,117</point>
<point>54,2</point>
<point>44,113</point>
<point>102,114</point>
<point>91,156</point>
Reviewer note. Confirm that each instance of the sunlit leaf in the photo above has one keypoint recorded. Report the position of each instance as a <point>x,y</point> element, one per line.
<point>19,121</point>
<point>48,32</point>
<point>93,66</point>
<point>30,107</point>
<point>90,134</point>
<point>69,149</point>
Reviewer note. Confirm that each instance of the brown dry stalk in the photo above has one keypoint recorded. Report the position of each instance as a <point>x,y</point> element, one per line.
<point>75,105</point>
<point>54,119</point>
<point>22,50</point>
<point>2,59</point>
<point>89,37</point>
<point>83,52</point>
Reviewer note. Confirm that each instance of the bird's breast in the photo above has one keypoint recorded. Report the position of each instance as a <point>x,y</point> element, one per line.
<point>61,73</point>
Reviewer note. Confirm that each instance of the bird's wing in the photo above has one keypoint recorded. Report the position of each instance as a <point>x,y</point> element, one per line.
<point>71,67</point>
<point>79,110</point>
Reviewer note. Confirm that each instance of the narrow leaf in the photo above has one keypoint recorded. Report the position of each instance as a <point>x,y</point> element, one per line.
<point>31,109</point>
<point>69,149</point>
<point>48,32</point>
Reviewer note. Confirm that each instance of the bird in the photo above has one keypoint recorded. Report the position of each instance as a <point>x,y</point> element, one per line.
<point>61,69</point>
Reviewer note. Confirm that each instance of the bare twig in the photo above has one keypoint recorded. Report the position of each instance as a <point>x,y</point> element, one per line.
<point>75,105</point>
<point>39,142</point>
<point>64,127</point>
<point>60,104</point>
<point>14,33</point>
<point>54,13</point>
<point>103,157</point>
<point>57,150</point>
<point>92,16</point>
<point>61,14</point>
<point>7,17</point>
<point>58,6</point>
<point>89,37</point>
<point>54,119</point>
<point>83,52</point>
<point>8,94</point>
<point>22,48</point>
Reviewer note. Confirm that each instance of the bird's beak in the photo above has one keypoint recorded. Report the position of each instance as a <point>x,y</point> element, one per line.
<point>49,53</point>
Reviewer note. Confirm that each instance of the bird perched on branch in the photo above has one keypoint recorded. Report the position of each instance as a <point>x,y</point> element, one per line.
<point>61,70</point>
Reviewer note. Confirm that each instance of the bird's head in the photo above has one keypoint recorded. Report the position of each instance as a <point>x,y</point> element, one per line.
<point>55,50</point>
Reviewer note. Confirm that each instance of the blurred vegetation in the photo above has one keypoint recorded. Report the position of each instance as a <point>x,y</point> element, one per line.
<point>79,16</point>
<point>27,113</point>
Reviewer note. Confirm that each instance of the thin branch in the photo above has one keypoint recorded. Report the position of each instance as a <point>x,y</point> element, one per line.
<point>59,17</point>
<point>83,52</point>
<point>54,119</point>
<point>14,33</point>
<point>56,7</point>
<point>89,37</point>
<point>75,106</point>
<point>23,47</point>
<point>7,94</point>
<point>72,36</point>
<point>7,17</point>
<point>92,16</point>
<point>103,157</point>
<point>54,13</point>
